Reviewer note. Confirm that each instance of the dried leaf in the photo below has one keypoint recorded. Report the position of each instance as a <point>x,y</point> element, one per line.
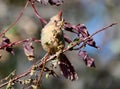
<point>51,2</point>
<point>88,60</point>
<point>44,2</point>
<point>55,2</point>
<point>6,45</point>
<point>5,40</point>
<point>10,50</point>
<point>66,68</point>
<point>69,27</point>
<point>82,30</point>
<point>29,50</point>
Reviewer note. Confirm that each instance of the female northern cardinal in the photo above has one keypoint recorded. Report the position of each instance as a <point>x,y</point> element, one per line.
<point>52,39</point>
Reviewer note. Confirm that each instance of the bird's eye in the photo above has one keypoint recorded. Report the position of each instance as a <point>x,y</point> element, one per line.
<point>55,21</point>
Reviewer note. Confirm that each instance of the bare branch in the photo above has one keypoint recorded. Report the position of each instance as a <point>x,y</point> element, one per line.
<point>105,28</point>
<point>20,42</point>
<point>36,13</point>
<point>14,23</point>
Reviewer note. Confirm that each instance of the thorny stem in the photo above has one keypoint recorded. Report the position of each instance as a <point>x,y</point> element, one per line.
<point>36,13</point>
<point>14,23</point>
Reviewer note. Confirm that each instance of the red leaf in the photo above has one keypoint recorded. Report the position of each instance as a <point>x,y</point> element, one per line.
<point>55,2</point>
<point>6,45</point>
<point>88,60</point>
<point>81,28</point>
<point>51,2</point>
<point>29,50</point>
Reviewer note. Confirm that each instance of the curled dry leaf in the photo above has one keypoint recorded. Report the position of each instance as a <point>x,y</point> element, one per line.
<point>67,69</point>
<point>83,31</point>
<point>55,2</point>
<point>6,45</point>
<point>69,27</point>
<point>88,60</point>
<point>29,50</point>
<point>51,2</point>
<point>44,2</point>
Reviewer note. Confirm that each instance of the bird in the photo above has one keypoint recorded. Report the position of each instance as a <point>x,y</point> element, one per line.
<point>52,38</point>
<point>52,41</point>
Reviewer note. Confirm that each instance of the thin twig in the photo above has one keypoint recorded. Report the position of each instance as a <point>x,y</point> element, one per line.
<point>14,23</point>
<point>19,42</point>
<point>105,28</point>
<point>36,13</point>
<point>98,31</point>
<point>43,67</point>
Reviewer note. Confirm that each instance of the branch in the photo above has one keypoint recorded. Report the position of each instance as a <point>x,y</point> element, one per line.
<point>39,63</point>
<point>17,77</point>
<point>20,42</point>
<point>14,23</point>
<point>105,28</point>
<point>37,14</point>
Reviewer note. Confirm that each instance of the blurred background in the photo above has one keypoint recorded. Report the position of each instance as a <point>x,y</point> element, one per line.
<point>95,14</point>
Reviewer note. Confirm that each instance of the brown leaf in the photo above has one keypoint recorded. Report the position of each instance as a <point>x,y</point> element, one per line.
<point>6,45</point>
<point>81,28</point>
<point>29,50</point>
<point>51,2</point>
<point>88,60</point>
<point>55,2</point>
<point>69,27</point>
